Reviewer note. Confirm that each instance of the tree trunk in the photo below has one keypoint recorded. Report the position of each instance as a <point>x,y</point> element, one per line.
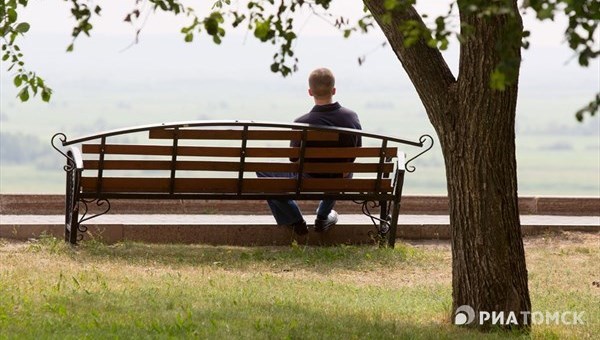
<point>475,126</point>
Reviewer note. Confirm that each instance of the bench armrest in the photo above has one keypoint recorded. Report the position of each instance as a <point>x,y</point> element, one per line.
<point>76,156</point>
<point>401,161</point>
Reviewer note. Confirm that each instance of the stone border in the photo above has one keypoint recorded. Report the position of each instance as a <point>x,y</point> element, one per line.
<point>46,204</point>
<point>251,235</point>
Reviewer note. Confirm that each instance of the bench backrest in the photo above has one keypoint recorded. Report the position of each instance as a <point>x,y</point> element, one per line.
<point>192,159</point>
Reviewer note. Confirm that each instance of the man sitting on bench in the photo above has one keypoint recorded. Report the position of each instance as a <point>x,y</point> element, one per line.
<point>321,84</point>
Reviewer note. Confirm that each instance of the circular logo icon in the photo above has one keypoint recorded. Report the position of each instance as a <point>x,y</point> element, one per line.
<point>464,315</point>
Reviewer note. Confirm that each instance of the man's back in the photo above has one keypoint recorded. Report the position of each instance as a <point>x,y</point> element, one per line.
<point>321,86</point>
<point>332,115</point>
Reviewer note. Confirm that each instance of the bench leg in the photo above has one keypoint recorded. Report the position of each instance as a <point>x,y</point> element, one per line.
<point>384,220</point>
<point>72,226</point>
<point>391,236</point>
<point>71,206</point>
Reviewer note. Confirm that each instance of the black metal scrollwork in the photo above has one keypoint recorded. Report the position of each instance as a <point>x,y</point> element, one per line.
<point>63,138</point>
<point>99,202</point>
<point>383,226</point>
<point>422,140</point>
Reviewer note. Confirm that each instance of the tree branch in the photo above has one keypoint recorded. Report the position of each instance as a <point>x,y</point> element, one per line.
<point>424,65</point>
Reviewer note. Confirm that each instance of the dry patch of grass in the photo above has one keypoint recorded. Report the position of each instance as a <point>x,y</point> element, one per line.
<point>48,289</point>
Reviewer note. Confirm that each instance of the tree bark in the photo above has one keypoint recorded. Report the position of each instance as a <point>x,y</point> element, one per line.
<point>475,126</point>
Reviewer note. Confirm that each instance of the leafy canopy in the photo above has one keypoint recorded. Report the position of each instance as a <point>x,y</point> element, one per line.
<point>273,22</point>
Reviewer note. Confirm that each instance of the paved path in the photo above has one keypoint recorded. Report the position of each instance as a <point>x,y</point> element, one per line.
<point>247,230</point>
<point>532,220</point>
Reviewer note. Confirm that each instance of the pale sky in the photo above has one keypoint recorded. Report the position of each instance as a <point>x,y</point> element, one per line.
<point>53,16</point>
<point>162,55</point>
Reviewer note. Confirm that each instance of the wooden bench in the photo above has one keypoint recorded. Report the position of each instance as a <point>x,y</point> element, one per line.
<point>218,160</point>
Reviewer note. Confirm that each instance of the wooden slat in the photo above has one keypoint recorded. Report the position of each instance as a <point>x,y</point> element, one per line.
<point>214,151</point>
<point>313,135</point>
<point>347,152</point>
<point>342,184</point>
<point>346,167</point>
<point>163,150</point>
<point>155,185</point>
<point>319,152</point>
<point>235,166</point>
<point>227,185</point>
<point>127,149</point>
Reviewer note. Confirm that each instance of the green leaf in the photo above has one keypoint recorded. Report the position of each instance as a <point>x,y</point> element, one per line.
<point>444,44</point>
<point>12,15</point>
<point>290,35</point>
<point>410,40</point>
<point>70,48</point>
<point>17,80</point>
<point>24,94</point>
<point>262,30</point>
<point>546,13</point>
<point>390,5</point>
<point>189,37</point>
<point>22,27</point>
<point>498,80</point>
<point>211,25</point>
<point>46,96</point>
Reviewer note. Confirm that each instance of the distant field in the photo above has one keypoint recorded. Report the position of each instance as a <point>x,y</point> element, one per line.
<point>539,175</point>
<point>555,154</point>
<point>545,167</point>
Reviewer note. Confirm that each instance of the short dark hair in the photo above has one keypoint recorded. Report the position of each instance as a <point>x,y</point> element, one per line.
<point>321,82</point>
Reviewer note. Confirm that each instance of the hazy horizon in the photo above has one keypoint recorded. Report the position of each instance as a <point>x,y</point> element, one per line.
<point>99,86</point>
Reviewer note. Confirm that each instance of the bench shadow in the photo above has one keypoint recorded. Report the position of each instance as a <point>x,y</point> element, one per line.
<point>273,258</point>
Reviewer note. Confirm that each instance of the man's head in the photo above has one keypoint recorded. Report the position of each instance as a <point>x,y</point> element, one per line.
<point>321,85</point>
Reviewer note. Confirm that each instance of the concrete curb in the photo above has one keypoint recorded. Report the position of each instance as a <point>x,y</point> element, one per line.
<point>259,230</point>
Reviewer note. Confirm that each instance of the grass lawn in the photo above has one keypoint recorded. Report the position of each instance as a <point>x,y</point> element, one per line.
<point>132,290</point>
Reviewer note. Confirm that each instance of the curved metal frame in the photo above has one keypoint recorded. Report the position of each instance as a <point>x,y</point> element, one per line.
<point>63,139</point>
<point>239,123</point>
<point>422,140</point>
<point>73,199</point>
<point>382,225</point>
<point>99,202</point>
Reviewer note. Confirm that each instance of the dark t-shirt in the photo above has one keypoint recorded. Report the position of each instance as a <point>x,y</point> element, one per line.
<point>331,115</point>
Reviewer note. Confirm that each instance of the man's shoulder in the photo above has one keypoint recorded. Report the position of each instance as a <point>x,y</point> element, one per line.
<point>305,118</point>
<point>351,117</point>
<point>348,111</point>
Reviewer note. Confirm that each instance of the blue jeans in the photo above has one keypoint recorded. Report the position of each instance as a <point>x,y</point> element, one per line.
<point>287,212</point>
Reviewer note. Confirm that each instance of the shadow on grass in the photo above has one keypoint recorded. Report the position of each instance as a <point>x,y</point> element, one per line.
<point>151,313</point>
<point>282,258</point>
